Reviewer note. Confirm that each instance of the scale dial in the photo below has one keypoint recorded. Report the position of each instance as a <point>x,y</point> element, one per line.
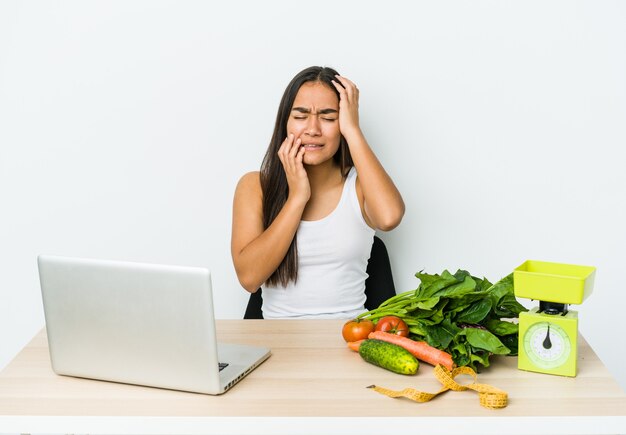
<point>547,345</point>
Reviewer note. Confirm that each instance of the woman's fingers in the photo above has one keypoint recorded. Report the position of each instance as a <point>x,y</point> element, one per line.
<point>347,83</point>
<point>286,145</point>
<point>348,105</point>
<point>300,157</point>
<point>285,149</point>
<point>295,148</point>
<point>342,91</point>
<point>290,154</point>
<point>281,152</point>
<point>347,87</point>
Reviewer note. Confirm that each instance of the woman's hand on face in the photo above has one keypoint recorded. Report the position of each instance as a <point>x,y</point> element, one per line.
<point>348,105</point>
<point>291,155</point>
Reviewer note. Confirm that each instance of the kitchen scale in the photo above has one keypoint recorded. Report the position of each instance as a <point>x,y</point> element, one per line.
<point>548,334</point>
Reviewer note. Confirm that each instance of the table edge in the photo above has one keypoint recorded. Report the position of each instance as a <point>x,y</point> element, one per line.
<point>309,425</point>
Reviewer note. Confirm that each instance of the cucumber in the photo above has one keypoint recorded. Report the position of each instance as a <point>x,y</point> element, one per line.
<point>388,356</point>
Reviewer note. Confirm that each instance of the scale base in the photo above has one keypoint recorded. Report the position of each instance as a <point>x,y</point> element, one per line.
<point>548,343</point>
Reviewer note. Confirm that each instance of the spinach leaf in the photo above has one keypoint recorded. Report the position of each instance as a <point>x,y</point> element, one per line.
<point>460,354</point>
<point>442,334</point>
<point>500,289</point>
<point>459,304</point>
<point>457,290</point>
<point>416,327</point>
<point>432,286</point>
<point>460,274</point>
<point>481,357</point>
<point>511,341</point>
<point>482,284</point>
<point>476,312</point>
<point>509,307</point>
<point>427,304</point>
<point>483,339</point>
<point>500,327</point>
<point>426,279</point>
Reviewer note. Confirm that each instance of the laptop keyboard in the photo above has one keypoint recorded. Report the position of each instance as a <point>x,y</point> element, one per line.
<point>222,366</point>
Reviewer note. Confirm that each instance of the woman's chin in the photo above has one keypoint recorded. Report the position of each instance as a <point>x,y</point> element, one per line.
<point>310,159</point>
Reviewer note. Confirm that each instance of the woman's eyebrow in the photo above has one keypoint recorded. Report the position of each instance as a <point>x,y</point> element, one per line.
<point>320,112</point>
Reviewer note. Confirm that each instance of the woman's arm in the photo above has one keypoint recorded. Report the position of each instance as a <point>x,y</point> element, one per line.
<point>257,252</point>
<point>383,204</point>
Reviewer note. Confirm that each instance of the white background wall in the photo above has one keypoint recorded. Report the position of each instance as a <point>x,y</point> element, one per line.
<point>124,127</point>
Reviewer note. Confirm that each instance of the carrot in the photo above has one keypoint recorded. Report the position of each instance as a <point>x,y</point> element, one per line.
<point>419,349</point>
<point>354,345</point>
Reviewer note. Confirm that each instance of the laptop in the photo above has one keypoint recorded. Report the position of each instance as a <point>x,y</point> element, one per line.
<point>136,323</point>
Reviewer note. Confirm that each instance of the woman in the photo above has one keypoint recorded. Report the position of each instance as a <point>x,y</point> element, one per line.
<point>303,226</point>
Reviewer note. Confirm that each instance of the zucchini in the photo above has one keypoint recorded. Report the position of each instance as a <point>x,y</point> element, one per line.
<point>388,356</point>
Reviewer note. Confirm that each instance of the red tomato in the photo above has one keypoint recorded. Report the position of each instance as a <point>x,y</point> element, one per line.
<point>393,325</point>
<point>356,329</point>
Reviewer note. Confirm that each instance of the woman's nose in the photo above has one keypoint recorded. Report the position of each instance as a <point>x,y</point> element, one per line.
<point>313,126</point>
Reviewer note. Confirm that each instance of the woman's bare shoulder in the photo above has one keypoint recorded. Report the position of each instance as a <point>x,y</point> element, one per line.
<point>252,178</point>
<point>249,183</point>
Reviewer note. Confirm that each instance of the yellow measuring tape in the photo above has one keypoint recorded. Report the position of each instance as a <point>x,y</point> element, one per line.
<point>489,396</point>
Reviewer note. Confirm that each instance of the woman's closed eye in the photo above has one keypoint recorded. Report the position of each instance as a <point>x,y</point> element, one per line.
<point>324,118</point>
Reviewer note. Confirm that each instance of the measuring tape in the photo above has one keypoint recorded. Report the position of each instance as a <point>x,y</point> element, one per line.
<point>489,396</point>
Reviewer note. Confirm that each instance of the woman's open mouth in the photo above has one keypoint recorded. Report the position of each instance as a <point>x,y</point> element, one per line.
<point>309,146</point>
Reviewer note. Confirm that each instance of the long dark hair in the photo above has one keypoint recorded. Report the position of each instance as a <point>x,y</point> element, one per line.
<point>273,180</point>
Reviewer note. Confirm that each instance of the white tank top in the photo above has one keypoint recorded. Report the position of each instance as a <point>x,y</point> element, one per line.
<point>332,262</point>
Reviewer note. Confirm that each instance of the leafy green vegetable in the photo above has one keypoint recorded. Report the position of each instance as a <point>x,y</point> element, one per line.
<point>483,339</point>
<point>499,327</point>
<point>442,334</point>
<point>476,312</point>
<point>460,314</point>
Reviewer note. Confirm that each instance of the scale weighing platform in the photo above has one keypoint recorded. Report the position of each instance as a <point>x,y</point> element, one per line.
<point>548,334</point>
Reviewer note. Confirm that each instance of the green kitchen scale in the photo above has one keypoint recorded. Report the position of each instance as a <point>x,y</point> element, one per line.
<point>548,334</point>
